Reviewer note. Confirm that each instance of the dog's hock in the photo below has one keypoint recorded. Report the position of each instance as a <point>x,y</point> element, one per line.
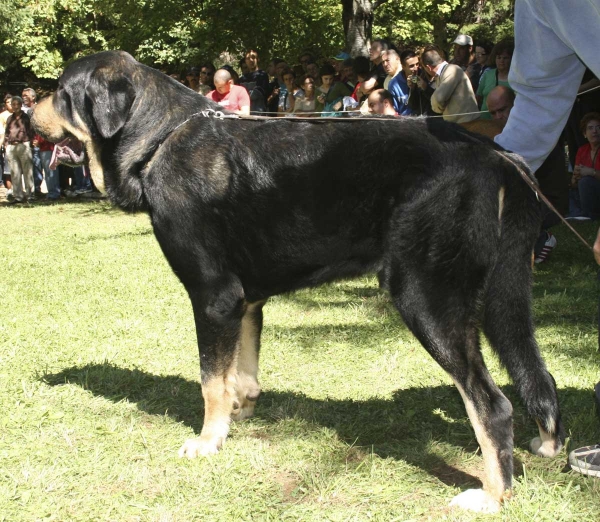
<point>476,500</point>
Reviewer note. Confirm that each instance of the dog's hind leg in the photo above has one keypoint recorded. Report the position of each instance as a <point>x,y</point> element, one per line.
<point>247,385</point>
<point>509,328</point>
<point>443,324</point>
<point>219,307</point>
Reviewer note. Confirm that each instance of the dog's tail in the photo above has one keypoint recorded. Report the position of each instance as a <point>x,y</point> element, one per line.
<point>507,318</point>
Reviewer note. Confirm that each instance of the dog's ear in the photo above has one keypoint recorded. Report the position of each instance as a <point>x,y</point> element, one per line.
<point>111,94</point>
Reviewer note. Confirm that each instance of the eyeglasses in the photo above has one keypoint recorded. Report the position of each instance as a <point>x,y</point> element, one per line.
<point>593,127</point>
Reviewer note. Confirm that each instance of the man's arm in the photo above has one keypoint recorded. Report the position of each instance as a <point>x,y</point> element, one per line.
<point>243,99</point>
<point>400,95</point>
<point>28,128</point>
<point>7,130</point>
<point>597,248</point>
<point>546,72</point>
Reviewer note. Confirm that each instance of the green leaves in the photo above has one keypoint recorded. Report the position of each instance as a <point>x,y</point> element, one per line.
<point>171,34</point>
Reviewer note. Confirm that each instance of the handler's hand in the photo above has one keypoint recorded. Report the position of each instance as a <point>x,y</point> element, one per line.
<point>587,171</point>
<point>597,248</point>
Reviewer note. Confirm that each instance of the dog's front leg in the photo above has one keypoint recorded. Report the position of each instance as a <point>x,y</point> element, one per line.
<point>218,311</point>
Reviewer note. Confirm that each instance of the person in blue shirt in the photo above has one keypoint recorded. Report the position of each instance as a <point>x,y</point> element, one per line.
<point>397,84</point>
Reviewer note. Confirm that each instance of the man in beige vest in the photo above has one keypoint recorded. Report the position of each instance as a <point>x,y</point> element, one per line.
<point>453,96</point>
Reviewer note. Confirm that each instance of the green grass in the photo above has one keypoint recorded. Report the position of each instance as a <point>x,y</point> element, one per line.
<point>99,386</point>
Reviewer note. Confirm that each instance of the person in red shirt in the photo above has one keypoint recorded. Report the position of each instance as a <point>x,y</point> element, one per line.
<point>231,97</point>
<point>586,173</point>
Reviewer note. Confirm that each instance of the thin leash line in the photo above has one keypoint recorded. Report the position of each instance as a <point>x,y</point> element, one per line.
<point>357,114</point>
<point>589,90</point>
<point>541,196</point>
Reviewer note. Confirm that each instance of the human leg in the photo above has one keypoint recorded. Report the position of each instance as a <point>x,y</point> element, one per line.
<point>38,174</point>
<point>52,181</point>
<point>15,169</point>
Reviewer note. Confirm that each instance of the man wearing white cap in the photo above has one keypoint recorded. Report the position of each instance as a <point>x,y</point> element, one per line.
<point>463,51</point>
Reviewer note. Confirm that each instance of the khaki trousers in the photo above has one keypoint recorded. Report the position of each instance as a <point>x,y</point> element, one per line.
<point>20,162</point>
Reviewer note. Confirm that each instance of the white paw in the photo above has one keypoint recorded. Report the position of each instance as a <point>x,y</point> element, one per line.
<point>245,412</point>
<point>193,448</point>
<point>547,448</point>
<point>476,500</point>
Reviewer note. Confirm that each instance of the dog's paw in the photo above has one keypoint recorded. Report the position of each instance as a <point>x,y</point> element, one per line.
<point>197,447</point>
<point>244,412</point>
<point>545,448</point>
<point>476,500</point>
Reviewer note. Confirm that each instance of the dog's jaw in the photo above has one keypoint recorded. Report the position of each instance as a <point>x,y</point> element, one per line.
<point>54,128</point>
<point>97,172</point>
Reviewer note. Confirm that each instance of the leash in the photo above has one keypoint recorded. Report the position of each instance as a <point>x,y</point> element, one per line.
<point>541,196</point>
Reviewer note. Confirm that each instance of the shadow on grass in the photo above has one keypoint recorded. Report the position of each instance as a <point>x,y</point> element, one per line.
<point>402,428</point>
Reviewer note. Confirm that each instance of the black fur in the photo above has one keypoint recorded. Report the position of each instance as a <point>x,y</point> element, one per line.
<point>244,210</point>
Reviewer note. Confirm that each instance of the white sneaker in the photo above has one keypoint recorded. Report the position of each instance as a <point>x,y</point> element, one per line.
<point>549,246</point>
<point>578,218</point>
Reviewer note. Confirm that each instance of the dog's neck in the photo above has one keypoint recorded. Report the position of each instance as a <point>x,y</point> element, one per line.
<point>142,136</point>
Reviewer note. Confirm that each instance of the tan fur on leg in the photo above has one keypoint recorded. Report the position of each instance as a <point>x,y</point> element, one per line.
<point>247,385</point>
<point>219,395</point>
<point>494,490</point>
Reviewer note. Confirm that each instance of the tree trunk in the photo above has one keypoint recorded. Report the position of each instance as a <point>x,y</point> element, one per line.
<point>357,16</point>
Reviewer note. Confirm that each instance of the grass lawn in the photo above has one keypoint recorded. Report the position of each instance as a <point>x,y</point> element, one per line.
<point>99,387</point>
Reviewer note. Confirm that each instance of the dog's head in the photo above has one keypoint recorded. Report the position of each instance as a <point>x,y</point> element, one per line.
<point>92,103</point>
<point>122,111</point>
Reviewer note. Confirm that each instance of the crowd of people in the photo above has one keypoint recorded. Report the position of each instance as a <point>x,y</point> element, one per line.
<point>33,168</point>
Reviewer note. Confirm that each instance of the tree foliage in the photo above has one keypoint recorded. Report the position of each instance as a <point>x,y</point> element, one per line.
<point>41,36</point>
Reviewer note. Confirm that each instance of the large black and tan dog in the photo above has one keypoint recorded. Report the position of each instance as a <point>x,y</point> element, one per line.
<point>244,210</point>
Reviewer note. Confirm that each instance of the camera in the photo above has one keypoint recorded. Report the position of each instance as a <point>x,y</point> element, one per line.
<point>414,78</point>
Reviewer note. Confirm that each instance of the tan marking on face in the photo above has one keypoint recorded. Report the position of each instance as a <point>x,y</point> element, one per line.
<point>500,204</point>
<point>52,125</point>
<point>493,483</point>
